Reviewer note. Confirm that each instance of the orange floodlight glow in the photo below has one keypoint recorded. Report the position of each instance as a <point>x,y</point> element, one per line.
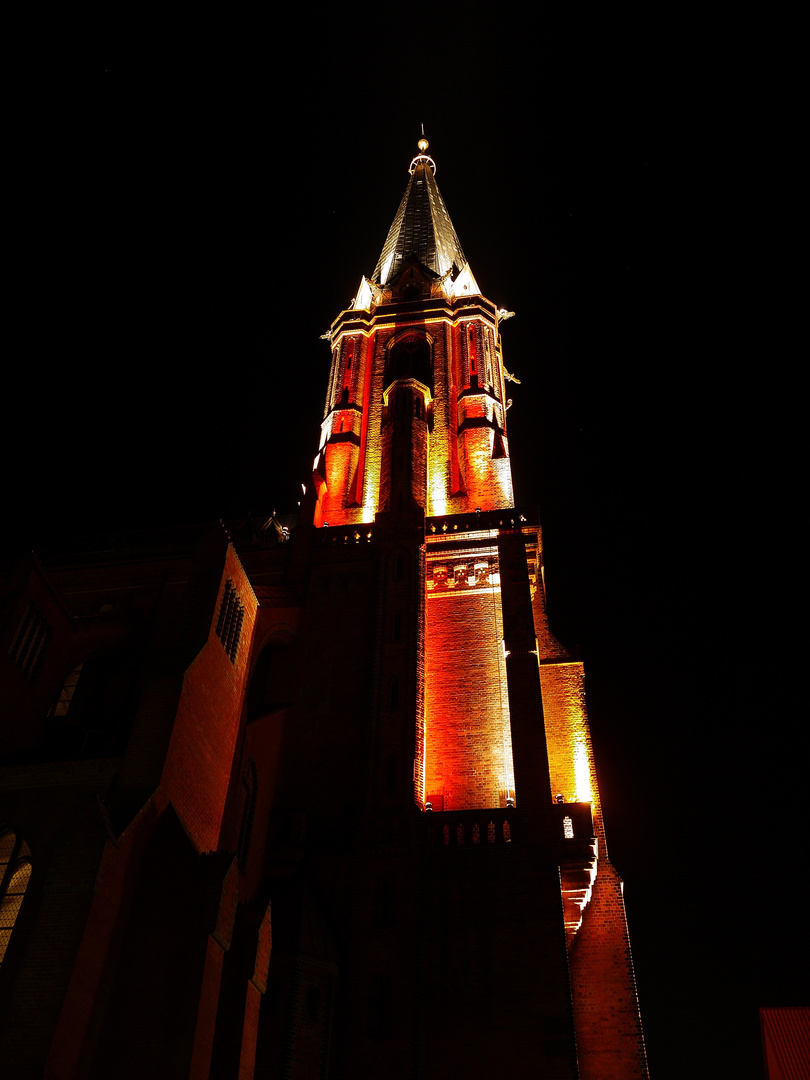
<point>582,773</point>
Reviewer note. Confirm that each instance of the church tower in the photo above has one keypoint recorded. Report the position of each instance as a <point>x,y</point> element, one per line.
<point>318,800</point>
<point>478,712</point>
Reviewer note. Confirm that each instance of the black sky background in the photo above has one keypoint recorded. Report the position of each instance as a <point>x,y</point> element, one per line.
<point>198,200</point>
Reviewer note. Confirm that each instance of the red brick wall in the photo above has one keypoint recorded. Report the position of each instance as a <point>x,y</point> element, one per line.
<point>339,472</point>
<point>198,765</point>
<point>468,745</point>
<point>610,1043</point>
<point>568,736</point>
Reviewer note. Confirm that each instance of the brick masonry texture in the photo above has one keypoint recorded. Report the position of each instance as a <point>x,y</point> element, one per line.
<point>567,734</point>
<point>464,469</point>
<point>609,1039</point>
<point>467,734</point>
<point>198,765</point>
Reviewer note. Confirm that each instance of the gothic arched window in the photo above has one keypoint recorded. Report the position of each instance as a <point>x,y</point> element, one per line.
<point>409,358</point>
<point>15,870</point>
<point>61,706</point>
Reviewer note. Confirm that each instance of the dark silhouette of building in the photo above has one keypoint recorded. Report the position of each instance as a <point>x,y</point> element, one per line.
<point>318,799</point>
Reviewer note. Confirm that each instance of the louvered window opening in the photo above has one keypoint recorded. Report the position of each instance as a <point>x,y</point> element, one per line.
<point>229,623</point>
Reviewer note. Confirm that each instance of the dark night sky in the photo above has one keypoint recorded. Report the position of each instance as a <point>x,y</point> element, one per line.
<point>197,203</point>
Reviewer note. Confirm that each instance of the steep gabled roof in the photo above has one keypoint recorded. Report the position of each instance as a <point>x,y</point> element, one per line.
<point>422,227</point>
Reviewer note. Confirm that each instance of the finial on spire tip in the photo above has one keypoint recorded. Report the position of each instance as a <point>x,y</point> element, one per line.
<point>422,158</point>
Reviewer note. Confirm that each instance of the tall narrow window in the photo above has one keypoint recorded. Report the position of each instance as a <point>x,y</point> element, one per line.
<point>229,623</point>
<point>61,707</point>
<point>15,870</point>
<point>487,361</point>
<point>29,641</point>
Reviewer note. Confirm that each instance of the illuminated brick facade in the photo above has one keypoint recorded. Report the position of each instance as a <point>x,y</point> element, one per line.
<point>468,739</point>
<point>424,355</point>
<point>319,800</point>
<point>414,438</point>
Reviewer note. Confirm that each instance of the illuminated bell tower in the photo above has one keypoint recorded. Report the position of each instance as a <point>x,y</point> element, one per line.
<point>415,421</point>
<point>415,413</point>
<point>479,717</point>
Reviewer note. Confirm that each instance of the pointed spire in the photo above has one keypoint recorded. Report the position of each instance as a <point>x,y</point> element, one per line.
<point>422,226</point>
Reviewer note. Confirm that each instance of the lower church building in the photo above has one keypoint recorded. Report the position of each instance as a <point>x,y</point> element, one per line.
<point>315,797</point>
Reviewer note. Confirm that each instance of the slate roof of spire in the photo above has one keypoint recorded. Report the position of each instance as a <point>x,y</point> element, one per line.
<point>422,227</point>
